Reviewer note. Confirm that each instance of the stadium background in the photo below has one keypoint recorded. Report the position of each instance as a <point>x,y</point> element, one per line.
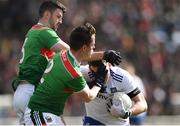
<point>146,32</point>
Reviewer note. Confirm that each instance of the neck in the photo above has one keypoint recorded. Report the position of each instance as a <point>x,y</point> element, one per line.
<point>44,22</point>
<point>76,55</point>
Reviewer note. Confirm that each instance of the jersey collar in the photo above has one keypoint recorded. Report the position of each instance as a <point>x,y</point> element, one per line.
<point>75,60</point>
<point>40,24</point>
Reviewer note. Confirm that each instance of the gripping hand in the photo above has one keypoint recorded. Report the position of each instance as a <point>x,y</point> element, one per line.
<point>100,75</point>
<point>112,57</point>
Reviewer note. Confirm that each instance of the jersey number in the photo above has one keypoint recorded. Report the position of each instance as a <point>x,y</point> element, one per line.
<point>48,69</point>
<point>23,52</point>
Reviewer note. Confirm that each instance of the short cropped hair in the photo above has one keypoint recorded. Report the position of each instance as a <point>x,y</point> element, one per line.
<point>81,36</point>
<point>50,6</point>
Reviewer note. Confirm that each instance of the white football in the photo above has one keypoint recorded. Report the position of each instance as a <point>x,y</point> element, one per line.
<point>124,98</point>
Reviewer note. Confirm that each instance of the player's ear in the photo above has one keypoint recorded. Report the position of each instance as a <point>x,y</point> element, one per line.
<point>84,48</point>
<point>47,14</point>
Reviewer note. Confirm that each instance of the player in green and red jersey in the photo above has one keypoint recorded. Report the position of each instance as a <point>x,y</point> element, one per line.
<point>40,44</point>
<point>62,77</point>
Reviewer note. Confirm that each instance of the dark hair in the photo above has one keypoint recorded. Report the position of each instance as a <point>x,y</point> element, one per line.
<point>50,6</point>
<point>81,36</point>
<point>95,63</point>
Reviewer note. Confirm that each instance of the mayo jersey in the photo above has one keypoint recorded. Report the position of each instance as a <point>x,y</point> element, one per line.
<point>119,80</point>
<point>61,78</point>
<point>38,42</point>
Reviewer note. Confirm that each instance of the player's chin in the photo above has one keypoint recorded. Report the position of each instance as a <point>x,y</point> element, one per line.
<point>56,27</point>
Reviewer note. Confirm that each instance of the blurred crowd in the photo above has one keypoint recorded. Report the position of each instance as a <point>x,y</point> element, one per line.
<point>146,32</point>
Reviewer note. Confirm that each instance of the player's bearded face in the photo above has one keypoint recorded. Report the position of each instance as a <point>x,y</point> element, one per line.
<point>55,19</point>
<point>52,24</point>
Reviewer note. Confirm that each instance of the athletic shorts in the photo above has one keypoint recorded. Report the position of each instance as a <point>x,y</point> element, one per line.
<point>32,117</point>
<point>90,121</point>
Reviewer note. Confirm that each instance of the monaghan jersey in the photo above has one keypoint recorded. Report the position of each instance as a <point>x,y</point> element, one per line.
<point>119,80</point>
<point>35,51</point>
<point>61,78</point>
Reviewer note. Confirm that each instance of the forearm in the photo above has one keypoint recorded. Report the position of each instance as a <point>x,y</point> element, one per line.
<point>96,56</point>
<point>88,94</point>
<point>138,108</point>
<point>60,46</point>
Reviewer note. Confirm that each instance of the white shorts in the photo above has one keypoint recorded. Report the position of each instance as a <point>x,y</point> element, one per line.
<point>41,118</point>
<point>21,99</point>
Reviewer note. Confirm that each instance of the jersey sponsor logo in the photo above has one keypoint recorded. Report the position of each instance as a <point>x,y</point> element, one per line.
<point>101,96</point>
<point>113,89</point>
<point>68,65</point>
<point>116,77</point>
<point>36,27</point>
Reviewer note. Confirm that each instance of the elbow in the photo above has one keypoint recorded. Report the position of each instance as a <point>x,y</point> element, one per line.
<point>87,100</point>
<point>145,107</point>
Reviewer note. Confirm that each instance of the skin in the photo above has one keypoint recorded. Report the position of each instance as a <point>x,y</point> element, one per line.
<point>53,20</point>
<point>86,52</point>
<point>139,100</point>
<point>94,69</point>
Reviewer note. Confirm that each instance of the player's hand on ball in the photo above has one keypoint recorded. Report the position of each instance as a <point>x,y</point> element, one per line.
<point>112,57</point>
<point>116,108</point>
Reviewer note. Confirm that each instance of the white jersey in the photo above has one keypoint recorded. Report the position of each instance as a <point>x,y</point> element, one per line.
<point>119,80</point>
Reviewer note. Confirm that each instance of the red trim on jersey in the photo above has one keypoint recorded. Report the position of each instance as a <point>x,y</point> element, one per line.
<point>47,52</point>
<point>68,65</point>
<point>36,27</point>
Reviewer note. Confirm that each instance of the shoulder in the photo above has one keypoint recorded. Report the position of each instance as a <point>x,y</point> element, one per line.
<point>70,64</point>
<point>48,31</point>
<point>121,72</point>
<point>84,68</point>
<point>126,80</point>
<point>85,71</point>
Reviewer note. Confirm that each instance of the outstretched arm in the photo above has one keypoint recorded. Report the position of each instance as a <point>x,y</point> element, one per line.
<point>59,46</point>
<point>110,56</point>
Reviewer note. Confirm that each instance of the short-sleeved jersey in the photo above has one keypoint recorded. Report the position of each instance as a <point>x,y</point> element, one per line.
<point>38,41</point>
<point>119,81</point>
<point>61,78</point>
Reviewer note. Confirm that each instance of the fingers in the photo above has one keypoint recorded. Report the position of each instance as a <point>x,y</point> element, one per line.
<point>116,59</point>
